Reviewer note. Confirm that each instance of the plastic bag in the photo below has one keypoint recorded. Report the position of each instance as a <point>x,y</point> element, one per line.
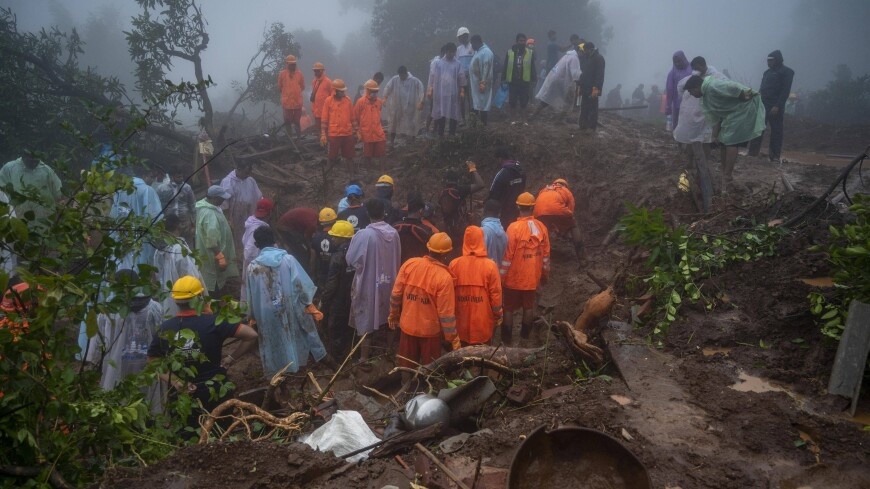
<point>501,96</point>
<point>345,432</point>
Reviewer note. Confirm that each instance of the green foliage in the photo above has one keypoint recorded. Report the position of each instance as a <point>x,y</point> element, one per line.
<point>844,100</point>
<point>679,259</point>
<point>849,255</point>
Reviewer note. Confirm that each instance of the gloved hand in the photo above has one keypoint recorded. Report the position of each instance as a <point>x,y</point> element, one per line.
<point>221,260</point>
<point>481,87</point>
<point>595,92</point>
<point>456,343</point>
<point>311,309</point>
<point>393,321</point>
<point>323,139</point>
<point>420,106</point>
<point>472,166</point>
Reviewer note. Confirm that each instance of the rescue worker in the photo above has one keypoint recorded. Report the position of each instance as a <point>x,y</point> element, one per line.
<point>403,98</point>
<point>355,213</point>
<point>413,234</point>
<point>422,306</point>
<point>214,242</point>
<point>374,253</point>
<point>242,202</point>
<point>453,201</point>
<point>464,52</point>
<point>367,125</point>
<point>321,89</point>
<point>322,247</point>
<point>526,264</point>
<point>262,217</point>
<point>33,179</point>
<point>384,188</point>
<point>336,126</point>
<point>520,74</point>
<point>142,202</point>
<point>481,78</point>
<point>507,185</point>
<point>493,233</point>
<point>591,81</point>
<point>336,292</point>
<point>554,207</point>
<point>291,84</point>
<point>478,290</point>
<point>775,90</point>
<point>203,354</point>
<point>295,228</point>
<point>280,299</point>
<point>173,261</point>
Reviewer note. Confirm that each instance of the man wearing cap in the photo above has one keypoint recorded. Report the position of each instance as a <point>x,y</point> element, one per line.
<point>367,125</point>
<point>591,80</point>
<point>481,78</point>
<point>291,84</point>
<point>242,202</point>
<point>321,89</point>
<point>464,54</point>
<point>214,241</point>
<point>280,299</point>
<point>337,291</point>
<point>526,265</point>
<point>422,306</point>
<point>336,126</point>
<point>261,217</point>
<point>413,234</point>
<point>554,207</point>
<point>204,353</point>
<point>775,89</point>
<point>384,189</point>
<point>295,228</point>
<point>403,98</point>
<point>355,213</point>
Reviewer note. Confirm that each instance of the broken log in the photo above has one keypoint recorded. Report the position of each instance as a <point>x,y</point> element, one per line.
<point>595,309</point>
<point>578,342</point>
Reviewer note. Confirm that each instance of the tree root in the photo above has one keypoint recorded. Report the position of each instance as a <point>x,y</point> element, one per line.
<point>243,414</point>
<point>54,477</point>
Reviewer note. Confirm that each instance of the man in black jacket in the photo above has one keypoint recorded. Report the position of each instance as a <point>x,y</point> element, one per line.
<point>775,88</point>
<point>507,185</point>
<point>591,81</point>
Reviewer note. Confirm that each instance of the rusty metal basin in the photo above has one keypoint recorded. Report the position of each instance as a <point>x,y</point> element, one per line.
<point>575,457</point>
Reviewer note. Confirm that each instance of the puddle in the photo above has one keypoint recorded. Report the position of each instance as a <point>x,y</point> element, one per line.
<point>622,400</point>
<point>715,350</point>
<point>818,281</point>
<point>751,383</point>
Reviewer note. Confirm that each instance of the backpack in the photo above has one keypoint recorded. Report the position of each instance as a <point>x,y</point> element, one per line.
<point>454,209</point>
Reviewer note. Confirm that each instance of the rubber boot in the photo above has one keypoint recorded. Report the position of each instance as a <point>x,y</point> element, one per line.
<point>507,335</point>
<point>525,330</point>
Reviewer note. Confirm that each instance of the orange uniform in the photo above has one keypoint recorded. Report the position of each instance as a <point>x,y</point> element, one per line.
<point>423,294</point>
<point>321,89</point>
<point>478,290</point>
<point>291,87</point>
<point>367,118</point>
<point>554,200</point>
<point>337,116</point>
<point>527,257</point>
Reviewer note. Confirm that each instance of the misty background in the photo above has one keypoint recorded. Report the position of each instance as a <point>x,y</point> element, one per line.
<point>640,36</point>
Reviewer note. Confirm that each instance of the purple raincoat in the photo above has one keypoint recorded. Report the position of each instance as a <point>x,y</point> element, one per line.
<point>375,254</point>
<point>673,95</point>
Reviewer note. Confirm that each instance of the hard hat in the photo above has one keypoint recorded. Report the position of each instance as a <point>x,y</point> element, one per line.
<point>338,84</point>
<point>560,181</point>
<point>385,179</point>
<point>341,229</point>
<point>290,59</point>
<point>440,243</point>
<point>186,288</point>
<point>425,410</point>
<point>327,214</point>
<point>17,298</point>
<point>462,30</point>
<point>319,66</point>
<point>526,200</point>
<point>372,85</point>
<point>353,190</point>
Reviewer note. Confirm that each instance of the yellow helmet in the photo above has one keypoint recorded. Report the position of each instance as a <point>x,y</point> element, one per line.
<point>318,66</point>
<point>186,288</point>
<point>327,215</point>
<point>338,84</point>
<point>440,243</point>
<point>372,86</point>
<point>386,179</point>
<point>526,200</point>
<point>561,181</point>
<point>290,59</point>
<point>342,229</point>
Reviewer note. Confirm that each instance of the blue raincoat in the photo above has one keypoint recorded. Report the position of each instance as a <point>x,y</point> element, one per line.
<point>143,202</point>
<point>279,290</point>
<point>481,71</point>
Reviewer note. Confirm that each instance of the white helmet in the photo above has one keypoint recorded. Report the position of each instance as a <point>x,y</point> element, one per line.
<point>425,410</point>
<point>462,30</point>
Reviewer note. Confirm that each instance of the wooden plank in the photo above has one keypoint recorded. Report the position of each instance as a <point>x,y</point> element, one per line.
<point>851,358</point>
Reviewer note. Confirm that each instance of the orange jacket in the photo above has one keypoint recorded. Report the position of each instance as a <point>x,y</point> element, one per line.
<point>367,118</point>
<point>527,256</point>
<point>291,87</point>
<point>554,200</point>
<point>322,88</point>
<point>478,289</point>
<point>423,294</point>
<point>337,116</point>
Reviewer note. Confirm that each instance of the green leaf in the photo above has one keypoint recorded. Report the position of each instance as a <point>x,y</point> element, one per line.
<point>799,443</point>
<point>91,323</point>
<point>675,297</point>
<point>830,314</point>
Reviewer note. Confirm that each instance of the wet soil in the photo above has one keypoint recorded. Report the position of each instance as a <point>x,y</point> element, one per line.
<point>674,408</point>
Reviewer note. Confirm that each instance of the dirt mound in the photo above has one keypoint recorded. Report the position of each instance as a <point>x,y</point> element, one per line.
<point>809,135</point>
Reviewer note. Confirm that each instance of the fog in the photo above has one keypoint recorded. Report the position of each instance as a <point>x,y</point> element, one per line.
<point>737,35</point>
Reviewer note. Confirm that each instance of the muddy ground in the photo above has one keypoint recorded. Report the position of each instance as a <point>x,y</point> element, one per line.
<point>734,397</point>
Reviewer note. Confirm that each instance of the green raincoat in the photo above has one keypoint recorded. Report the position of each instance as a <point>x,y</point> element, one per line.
<point>741,121</point>
<point>213,232</point>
